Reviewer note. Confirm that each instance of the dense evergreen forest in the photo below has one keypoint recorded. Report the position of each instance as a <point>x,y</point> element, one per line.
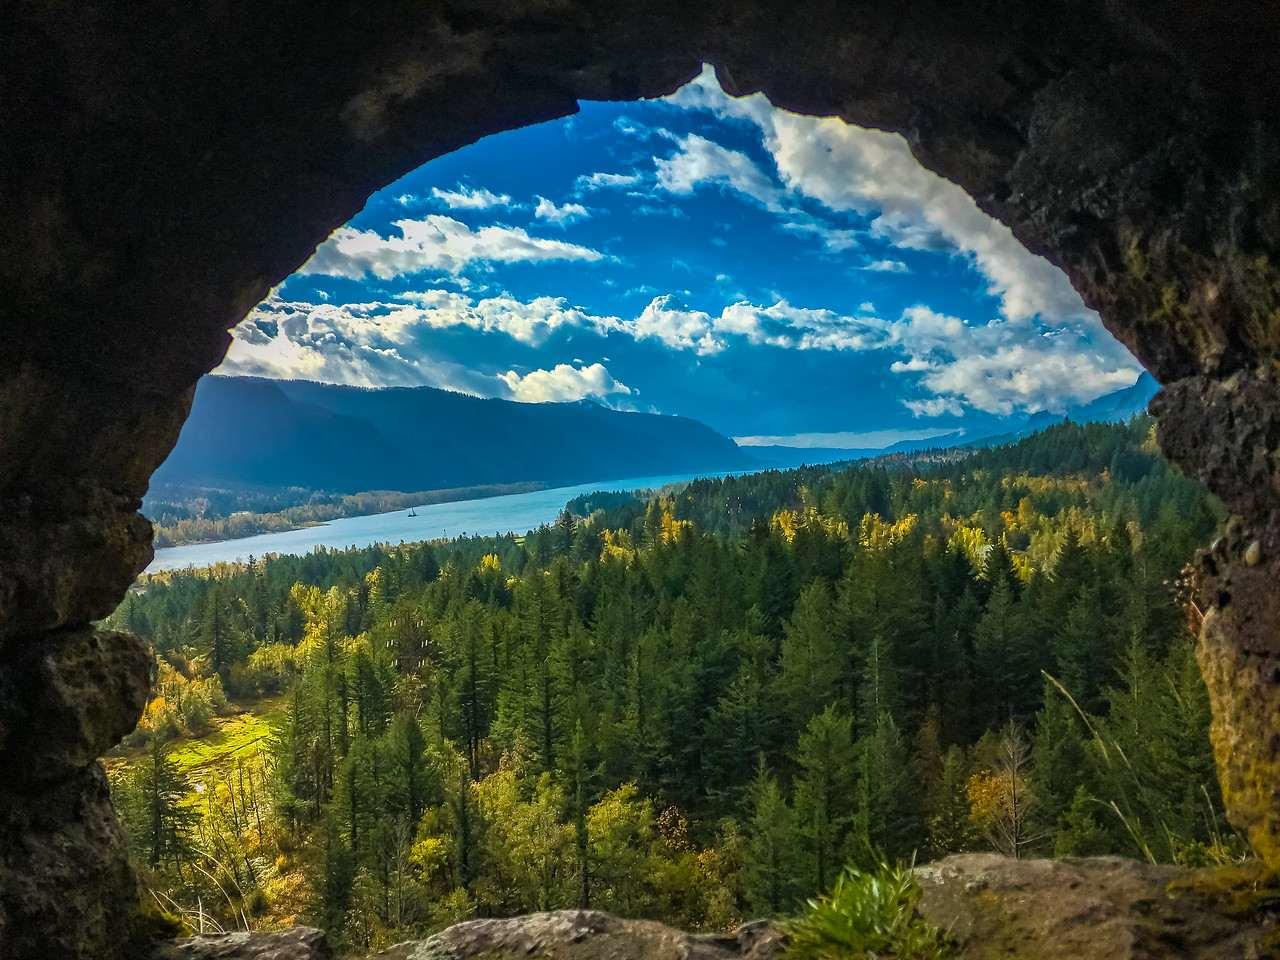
<point>697,707</point>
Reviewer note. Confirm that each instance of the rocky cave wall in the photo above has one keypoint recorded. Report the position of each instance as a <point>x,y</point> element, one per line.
<point>163,165</point>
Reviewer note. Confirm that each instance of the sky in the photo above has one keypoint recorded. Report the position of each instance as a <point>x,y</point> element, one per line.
<point>782,278</point>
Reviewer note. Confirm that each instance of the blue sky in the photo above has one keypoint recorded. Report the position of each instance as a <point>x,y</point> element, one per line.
<point>769,274</point>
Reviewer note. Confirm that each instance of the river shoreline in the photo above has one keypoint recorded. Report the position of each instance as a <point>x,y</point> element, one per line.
<point>508,513</point>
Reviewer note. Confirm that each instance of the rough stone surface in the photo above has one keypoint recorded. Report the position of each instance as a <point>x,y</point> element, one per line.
<point>63,856</point>
<point>993,908</point>
<point>63,702</point>
<point>162,171</point>
<point>586,935</point>
<point>1227,432</point>
<point>298,943</point>
<point>1104,908</point>
<point>66,700</point>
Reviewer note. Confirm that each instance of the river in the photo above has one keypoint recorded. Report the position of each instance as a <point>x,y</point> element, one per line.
<point>516,512</point>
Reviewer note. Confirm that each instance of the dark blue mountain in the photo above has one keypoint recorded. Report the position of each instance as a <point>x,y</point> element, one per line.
<point>250,432</point>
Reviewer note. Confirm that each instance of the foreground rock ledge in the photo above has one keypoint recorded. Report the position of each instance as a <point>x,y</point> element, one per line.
<point>587,935</point>
<point>1101,908</point>
<point>298,943</point>
<point>1105,908</point>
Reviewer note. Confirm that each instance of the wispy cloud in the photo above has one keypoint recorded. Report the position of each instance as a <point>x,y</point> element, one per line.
<point>885,266</point>
<point>561,214</point>
<point>834,239</point>
<point>434,243</point>
<point>698,161</point>
<point>606,181</point>
<point>470,198</point>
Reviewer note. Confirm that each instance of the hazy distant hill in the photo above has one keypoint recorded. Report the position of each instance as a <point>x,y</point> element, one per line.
<point>1114,407</point>
<point>1120,405</point>
<point>255,432</point>
<point>788,457</point>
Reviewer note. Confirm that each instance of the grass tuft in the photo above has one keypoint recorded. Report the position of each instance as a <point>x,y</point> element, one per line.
<point>865,916</point>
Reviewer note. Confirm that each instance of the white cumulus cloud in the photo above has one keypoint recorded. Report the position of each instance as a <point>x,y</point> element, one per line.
<point>678,328</point>
<point>364,344</point>
<point>935,407</point>
<point>1005,365</point>
<point>799,328</point>
<point>563,382</point>
<point>528,321</point>
<point>871,172</point>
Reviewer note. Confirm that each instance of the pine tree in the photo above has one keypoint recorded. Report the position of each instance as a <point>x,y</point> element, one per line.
<point>769,868</point>
<point>1083,646</point>
<point>565,527</point>
<point>998,569</point>
<point>886,822</point>
<point>1006,660</point>
<point>161,821</point>
<point>335,879</point>
<point>216,629</point>
<point>824,788</point>
<point>579,777</point>
<point>469,655</point>
<point>360,796</point>
<point>809,668</point>
<point>369,685</point>
<point>462,806</point>
<point>1080,832</point>
<point>1158,720</point>
<point>737,729</point>
<point>948,824</point>
<point>412,781</point>
<point>1059,760</point>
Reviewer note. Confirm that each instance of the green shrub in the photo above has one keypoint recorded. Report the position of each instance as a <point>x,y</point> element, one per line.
<point>866,916</point>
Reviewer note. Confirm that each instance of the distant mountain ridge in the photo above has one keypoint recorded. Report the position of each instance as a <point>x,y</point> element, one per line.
<point>1120,405</point>
<point>255,432</point>
<point>249,431</point>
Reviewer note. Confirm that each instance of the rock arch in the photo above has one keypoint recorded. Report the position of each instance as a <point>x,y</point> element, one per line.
<point>164,165</point>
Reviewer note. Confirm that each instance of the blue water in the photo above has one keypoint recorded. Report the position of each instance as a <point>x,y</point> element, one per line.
<point>513,513</point>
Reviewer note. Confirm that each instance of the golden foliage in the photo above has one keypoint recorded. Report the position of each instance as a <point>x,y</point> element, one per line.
<point>972,541</point>
<point>809,520</point>
<point>992,797</point>
<point>877,534</point>
<point>618,546</point>
<point>673,529</point>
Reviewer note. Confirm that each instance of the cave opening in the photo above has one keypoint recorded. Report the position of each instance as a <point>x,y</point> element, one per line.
<point>696,262</point>
<point>1116,143</point>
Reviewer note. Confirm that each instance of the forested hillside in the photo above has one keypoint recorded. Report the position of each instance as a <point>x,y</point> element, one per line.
<point>695,708</point>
